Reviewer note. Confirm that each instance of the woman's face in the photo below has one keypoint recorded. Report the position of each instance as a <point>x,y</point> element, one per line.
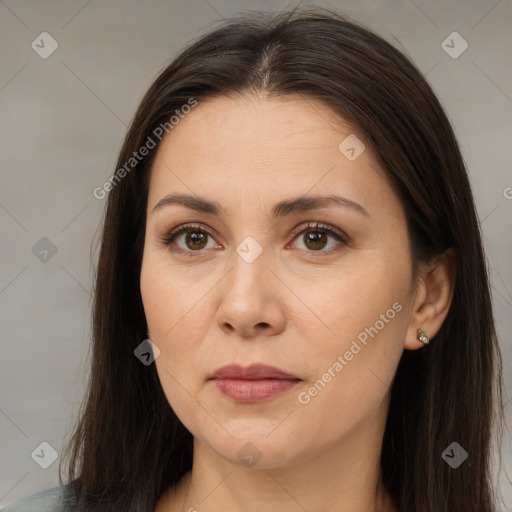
<point>252,283</point>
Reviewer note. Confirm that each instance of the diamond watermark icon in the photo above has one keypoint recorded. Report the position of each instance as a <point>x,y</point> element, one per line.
<point>45,455</point>
<point>249,455</point>
<point>147,352</point>
<point>454,455</point>
<point>249,249</point>
<point>44,250</point>
<point>44,45</point>
<point>351,147</point>
<point>454,45</point>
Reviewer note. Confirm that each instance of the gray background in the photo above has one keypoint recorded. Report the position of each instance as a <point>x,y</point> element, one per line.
<point>63,122</point>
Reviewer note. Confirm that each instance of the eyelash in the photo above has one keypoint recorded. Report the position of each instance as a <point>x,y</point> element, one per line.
<point>168,239</point>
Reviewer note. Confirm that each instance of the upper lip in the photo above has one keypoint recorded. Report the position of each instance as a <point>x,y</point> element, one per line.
<point>251,372</point>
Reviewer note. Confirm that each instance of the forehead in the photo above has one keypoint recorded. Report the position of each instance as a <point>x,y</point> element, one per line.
<point>282,124</point>
<point>270,147</point>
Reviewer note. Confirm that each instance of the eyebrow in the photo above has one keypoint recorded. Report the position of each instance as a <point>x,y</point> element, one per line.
<point>280,210</point>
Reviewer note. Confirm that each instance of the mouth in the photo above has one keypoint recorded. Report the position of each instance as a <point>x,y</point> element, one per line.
<point>254,383</point>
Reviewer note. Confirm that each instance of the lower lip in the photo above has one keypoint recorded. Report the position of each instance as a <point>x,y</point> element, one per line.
<point>251,391</point>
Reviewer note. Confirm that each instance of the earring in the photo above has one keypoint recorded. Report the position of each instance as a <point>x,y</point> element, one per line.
<point>423,337</point>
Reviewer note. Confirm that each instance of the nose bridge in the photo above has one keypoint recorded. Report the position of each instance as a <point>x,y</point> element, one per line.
<point>249,267</point>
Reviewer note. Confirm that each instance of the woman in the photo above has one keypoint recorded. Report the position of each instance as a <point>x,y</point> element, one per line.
<point>292,308</point>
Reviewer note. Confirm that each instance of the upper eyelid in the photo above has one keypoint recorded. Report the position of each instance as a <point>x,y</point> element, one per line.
<point>320,226</point>
<point>189,226</point>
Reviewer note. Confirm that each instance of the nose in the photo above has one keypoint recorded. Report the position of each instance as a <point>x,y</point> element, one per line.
<point>252,299</point>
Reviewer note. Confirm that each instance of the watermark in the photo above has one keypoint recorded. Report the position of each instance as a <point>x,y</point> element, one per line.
<point>44,455</point>
<point>304,397</point>
<point>507,192</point>
<point>454,45</point>
<point>138,156</point>
<point>147,352</point>
<point>249,455</point>
<point>454,455</point>
<point>351,147</point>
<point>44,250</point>
<point>249,249</point>
<point>44,45</point>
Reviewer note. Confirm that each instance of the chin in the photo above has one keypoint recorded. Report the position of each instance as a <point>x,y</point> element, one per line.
<point>256,445</point>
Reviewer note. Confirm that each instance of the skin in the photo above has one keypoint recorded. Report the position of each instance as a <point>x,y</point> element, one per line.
<point>292,307</point>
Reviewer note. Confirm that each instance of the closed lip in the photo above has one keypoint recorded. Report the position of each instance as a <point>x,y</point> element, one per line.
<point>252,372</point>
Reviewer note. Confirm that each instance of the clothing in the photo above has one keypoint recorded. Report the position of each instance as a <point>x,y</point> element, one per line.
<point>49,500</point>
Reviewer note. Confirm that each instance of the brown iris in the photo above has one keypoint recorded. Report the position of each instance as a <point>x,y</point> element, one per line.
<point>314,238</point>
<point>196,240</point>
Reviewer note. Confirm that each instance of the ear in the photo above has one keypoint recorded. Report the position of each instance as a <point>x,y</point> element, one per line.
<point>434,294</point>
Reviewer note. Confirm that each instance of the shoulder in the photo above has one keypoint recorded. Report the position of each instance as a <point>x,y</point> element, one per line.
<point>49,500</point>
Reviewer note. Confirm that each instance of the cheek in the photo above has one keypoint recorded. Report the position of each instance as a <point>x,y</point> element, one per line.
<point>360,324</point>
<point>169,300</point>
<point>351,298</point>
<point>170,312</point>
<point>178,317</point>
<point>167,308</point>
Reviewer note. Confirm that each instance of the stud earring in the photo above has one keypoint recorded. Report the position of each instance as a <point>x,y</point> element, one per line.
<point>423,337</point>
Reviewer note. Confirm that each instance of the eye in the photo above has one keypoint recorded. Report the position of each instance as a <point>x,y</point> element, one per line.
<point>315,237</point>
<point>196,237</point>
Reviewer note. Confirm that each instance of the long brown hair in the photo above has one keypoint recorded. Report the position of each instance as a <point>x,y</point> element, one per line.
<point>129,446</point>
